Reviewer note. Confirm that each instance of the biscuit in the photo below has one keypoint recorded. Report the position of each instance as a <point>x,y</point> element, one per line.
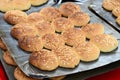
<point>118,20</point>
<point>45,28</point>
<point>38,2</point>
<point>88,51</point>
<point>93,29</point>
<point>57,78</point>
<point>79,18</point>
<point>21,4</point>
<point>52,41</point>
<point>6,5</point>
<point>30,43</point>
<point>15,16</point>
<point>67,57</point>
<point>110,4</point>
<point>44,60</point>
<point>50,13</point>
<point>105,42</point>
<point>69,8</point>
<point>35,18</point>
<point>21,29</point>
<point>116,11</point>
<point>61,24</point>
<point>19,75</point>
<point>74,36</point>
<point>8,58</point>
<point>2,45</point>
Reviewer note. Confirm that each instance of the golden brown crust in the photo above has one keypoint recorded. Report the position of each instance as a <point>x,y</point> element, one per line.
<point>21,4</point>
<point>105,42</point>
<point>31,43</point>
<point>116,11</point>
<point>110,4</point>
<point>118,20</point>
<point>19,75</point>
<point>44,60</point>
<point>45,28</point>
<point>52,41</point>
<point>69,8</point>
<point>93,29</point>
<point>61,24</point>
<point>4,7</point>
<point>15,16</point>
<point>21,29</point>
<point>67,57</point>
<point>7,5</point>
<point>74,36</point>
<point>2,45</point>
<point>88,51</point>
<point>79,18</point>
<point>35,18</point>
<point>57,78</point>
<point>8,58</point>
<point>50,13</point>
<point>38,2</point>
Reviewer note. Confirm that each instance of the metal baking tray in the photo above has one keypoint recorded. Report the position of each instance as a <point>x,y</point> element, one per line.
<point>96,6</point>
<point>21,57</point>
<point>78,76</point>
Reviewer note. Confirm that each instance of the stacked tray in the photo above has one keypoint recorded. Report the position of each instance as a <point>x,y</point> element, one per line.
<point>96,6</point>
<point>21,57</point>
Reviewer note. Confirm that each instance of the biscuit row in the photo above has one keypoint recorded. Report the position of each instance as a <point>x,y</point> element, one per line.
<point>18,74</point>
<point>53,39</point>
<point>6,5</point>
<point>114,6</point>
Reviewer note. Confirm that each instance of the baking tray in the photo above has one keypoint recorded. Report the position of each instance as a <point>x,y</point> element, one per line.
<point>96,7</point>
<point>21,57</point>
<point>78,76</point>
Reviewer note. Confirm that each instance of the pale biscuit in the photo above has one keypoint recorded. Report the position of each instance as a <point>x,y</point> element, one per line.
<point>52,41</point>
<point>61,24</point>
<point>93,29</point>
<point>30,43</point>
<point>8,58</point>
<point>74,36</point>
<point>2,45</point>
<point>118,20</point>
<point>88,51</point>
<point>110,4</point>
<point>19,75</point>
<point>21,29</point>
<point>15,16</point>
<point>67,57</point>
<point>21,4</point>
<point>50,13</point>
<point>38,2</point>
<point>6,5</point>
<point>45,28</point>
<point>105,42</point>
<point>116,11</point>
<point>44,60</point>
<point>69,8</point>
<point>57,78</point>
<point>79,18</point>
<point>35,18</point>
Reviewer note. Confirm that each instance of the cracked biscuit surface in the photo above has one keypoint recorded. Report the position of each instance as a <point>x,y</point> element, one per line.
<point>44,60</point>
<point>105,42</point>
